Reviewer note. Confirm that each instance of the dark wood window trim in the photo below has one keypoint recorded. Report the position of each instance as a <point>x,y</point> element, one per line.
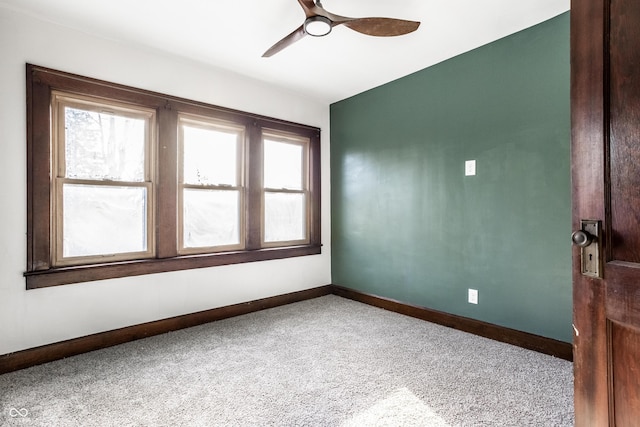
<point>40,272</point>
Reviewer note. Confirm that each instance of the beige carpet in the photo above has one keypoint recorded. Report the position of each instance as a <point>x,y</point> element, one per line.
<point>323,362</point>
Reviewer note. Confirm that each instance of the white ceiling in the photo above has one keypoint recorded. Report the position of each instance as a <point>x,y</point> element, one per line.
<point>233,35</point>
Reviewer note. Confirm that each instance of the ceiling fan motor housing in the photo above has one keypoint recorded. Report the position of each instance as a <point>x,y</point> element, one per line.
<point>317,26</point>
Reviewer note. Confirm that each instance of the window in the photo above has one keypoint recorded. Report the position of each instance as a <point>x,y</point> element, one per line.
<point>285,189</point>
<point>125,182</point>
<point>103,181</point>
<point>211,185</point>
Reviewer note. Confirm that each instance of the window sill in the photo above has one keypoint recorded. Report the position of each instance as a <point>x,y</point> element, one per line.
<point>87,273</point>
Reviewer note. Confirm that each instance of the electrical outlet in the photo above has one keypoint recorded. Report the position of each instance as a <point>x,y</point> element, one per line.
<point>470,168</point>
<point>473,296</point>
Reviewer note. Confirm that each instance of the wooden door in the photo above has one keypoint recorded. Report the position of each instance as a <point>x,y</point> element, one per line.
<point>605,103</point>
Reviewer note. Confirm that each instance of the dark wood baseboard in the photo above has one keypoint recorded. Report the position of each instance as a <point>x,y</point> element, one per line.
<point>560,349</point>
<point>48,353</point>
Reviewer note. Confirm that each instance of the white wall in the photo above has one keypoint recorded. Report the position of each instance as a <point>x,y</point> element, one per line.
<point>30,318</point>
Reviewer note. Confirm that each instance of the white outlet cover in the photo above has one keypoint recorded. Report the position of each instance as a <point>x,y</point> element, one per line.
<point>470,168</point>
<point>473,296</point>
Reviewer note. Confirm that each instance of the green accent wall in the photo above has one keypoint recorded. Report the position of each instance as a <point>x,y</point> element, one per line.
<point>408,224</point>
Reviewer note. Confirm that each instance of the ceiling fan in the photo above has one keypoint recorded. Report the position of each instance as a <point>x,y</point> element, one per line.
<point>319,22</point>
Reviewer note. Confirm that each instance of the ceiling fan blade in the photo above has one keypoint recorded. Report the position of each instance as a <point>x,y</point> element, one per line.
<point>308,6</point>
<point>381,27</point>
<point>296,35</point>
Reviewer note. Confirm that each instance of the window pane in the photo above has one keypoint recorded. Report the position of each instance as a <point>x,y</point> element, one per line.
<point>211,218</point>
<point>284,217</point>
<point>210,157</point>
<point>282,165</point>
<point>103,220</point>
<point>103,146</point>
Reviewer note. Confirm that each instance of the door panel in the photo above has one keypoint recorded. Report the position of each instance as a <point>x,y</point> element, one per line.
<point>605,103</point>
<point>625,345</point>
<point>624,117</point>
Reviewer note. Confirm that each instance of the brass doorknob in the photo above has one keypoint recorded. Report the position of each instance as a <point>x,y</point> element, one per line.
<point>581,238</point>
